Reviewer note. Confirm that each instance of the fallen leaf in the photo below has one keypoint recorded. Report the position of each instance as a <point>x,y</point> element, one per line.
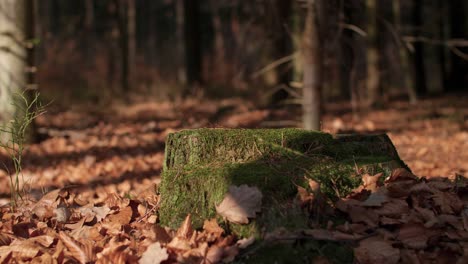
<point>401,174</point>
<point>155,254</point>
<point>376,250</point>
<point>375,199</point>
<point>214,254</point>
<point>74,247</point>
<point>240,204</point>
<point>185,230</point>
<point>414,236</point>
<point>212,227</point>
<point>370,182</point>
<point>245,242</point>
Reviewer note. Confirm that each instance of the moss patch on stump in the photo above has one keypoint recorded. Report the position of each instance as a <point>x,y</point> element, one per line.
<point>201,164</point>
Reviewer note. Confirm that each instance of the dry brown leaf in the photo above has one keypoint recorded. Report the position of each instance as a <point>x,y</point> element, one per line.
<point>119,219</point>
<point>360,214</point>
<point>155,254</point>
<point>245,242</point>
<point>212,227</point>
<point>464,216</point>
<point>101,212</point>
<point>305,198</point>
<point>5,239</point>
<point>45,240</point>
<point>24,249</point>
<point>447,203</point>
<point>214,254</point>
<point>179,244</point>
<point>414,236</point>
<point>240,204</point>
<point>400,188</point>
<point>375,199</point>
<point>230,254</point>
<point>5,254</point>
<point>115,255</point>
<point>452,220</point>
<point>376,250</point>
<point>74,248</point>
<point>76,225</point>
<point>185,230</point>
<point>394,208</point>
<point>160,234</point>
<point>401,174</point>
<point>370,182</point>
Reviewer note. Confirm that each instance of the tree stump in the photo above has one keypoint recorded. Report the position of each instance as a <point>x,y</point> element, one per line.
<point>201,164</point>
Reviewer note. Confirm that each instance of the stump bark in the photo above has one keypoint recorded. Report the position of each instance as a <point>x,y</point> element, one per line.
<point>201,164</point>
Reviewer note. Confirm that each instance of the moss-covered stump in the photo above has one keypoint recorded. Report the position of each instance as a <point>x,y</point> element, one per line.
<point>201,164</point>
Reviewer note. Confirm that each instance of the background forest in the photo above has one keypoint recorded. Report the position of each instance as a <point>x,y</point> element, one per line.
<point>90,90</point>
<point>370,51</point>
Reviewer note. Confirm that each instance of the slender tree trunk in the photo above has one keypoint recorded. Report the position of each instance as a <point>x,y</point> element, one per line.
<point>88,24</point>
<point>312,61</point>
<point>219,48</point>
<point>442,6</point>
<point>127,42</point>
<point>458,30</point>
<point>282,42</point>
<point>404,54</point>
<point>346,55</point>
<point>373,74</point>
<point>418,60</point>
<point>180,43</point>
<point>192,42</point>
<point>54,18</point>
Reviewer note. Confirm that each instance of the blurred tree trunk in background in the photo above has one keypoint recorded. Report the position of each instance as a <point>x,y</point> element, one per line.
<point>219,48</point>
<point>346,55</point>
<point>54,18</point>
<point>16,56</point>
<point>442,8</point>
<point>127,42</point>
<point>12,55</point>
<point>404,54</point>
<point>282,45</point>
<point>192,41</point>
<point>418,54</point>
<point>458,30</point>
<point>312,66</point>
<point>89,31</point>
<point>373,73</point>
<point>180,43</point>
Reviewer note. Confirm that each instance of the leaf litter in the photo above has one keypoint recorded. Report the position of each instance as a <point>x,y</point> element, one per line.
<point>91,194</point>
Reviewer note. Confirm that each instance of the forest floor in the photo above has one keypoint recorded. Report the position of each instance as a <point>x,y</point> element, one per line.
<point>105,167</point>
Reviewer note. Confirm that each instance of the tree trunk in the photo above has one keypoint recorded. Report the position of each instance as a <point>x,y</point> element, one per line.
<point>13,57</point>
<point>373,74</point>
<point>346,55</point>
<point>418,57</point>
<point>312,61</point>
<point>282,45</point>
<point>219,67</point>
<point>127,42</point>
<point>89,31</point>
<point>442,7</point>
<point>458,29</point>
<point>192,42</point>
<point>404,53</point>
<point>180,44</point>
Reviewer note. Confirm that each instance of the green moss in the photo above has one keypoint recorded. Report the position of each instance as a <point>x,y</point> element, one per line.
<point>201,164</point>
